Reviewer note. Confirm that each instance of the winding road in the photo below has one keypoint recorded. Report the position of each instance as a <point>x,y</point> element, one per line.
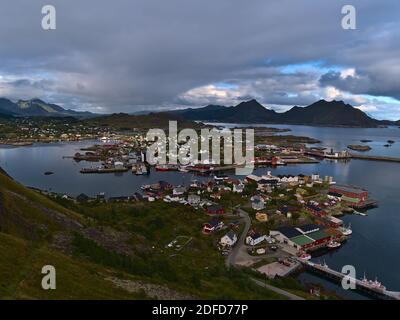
<point>231,259</point>
<point>240,246</point>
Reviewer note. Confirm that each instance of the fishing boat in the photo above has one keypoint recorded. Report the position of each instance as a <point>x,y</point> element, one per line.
<point>374,284</point>
<point>166,167</point>
<point>361,213</point>
<point>333,244</point>
<point>162,167</point>
<point>346,231</point>
<point>305,256</point>
<point>220,178</point>
<point>183,169</point>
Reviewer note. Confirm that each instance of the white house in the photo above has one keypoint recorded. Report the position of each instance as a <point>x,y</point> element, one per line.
<point>238,188</point>
<point>254,239</point>
<point>118,165</point>
<point>193,199</point>
<point>257,203</point>
<point>212,226</point>
<point>178,191</point>
<point>315,177</point>
<point>253,177</point>
<point>229,239</point>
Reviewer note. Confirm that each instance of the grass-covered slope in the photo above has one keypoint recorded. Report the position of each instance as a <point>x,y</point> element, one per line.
<point>110,251</point>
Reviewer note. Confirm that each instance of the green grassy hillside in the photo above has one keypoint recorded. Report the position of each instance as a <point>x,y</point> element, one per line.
<point>110,251</point>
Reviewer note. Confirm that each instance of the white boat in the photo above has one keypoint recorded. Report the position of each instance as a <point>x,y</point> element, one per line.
<point>220,178</point>
<point>346,231</point>
<point>140,169</point>
<point>333,244</point>
<point>183,169</point>
<point>305,256</point>
<point>360,213</point>
<point>375,284</point>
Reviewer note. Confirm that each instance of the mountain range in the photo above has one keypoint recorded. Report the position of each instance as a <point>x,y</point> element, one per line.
<point>320,113</point>
<point>36,107</point>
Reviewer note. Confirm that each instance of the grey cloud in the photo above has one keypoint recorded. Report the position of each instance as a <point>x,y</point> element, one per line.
<point>123,55</point>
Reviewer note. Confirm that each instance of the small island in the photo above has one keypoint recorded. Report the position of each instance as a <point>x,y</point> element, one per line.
<point>356,147</point>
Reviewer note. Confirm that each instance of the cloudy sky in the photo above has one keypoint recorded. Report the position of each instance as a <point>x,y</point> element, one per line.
<point>128,55</point>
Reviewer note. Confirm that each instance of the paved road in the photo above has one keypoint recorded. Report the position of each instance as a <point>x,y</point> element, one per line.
<point>231,259</point>
<point>287,294</point>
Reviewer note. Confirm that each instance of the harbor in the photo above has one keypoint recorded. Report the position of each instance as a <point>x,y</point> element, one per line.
<point>372,288</point>
<point>370,233</point>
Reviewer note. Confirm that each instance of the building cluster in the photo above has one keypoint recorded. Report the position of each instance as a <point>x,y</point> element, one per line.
<point>307,237</point>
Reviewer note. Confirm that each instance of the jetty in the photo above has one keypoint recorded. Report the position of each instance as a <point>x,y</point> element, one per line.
<point>371,288</point>
<point>374,158</point>
<point>103,170</point>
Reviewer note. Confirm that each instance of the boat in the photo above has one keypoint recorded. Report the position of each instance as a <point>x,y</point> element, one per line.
<point>361,213</point>
<point>333,244</point>
<point>374,284</point>
<point>346,231</point>
<point>166,167</point>
<point>139,170</point>
<point>305,256</point>
<point>47,173</point>
<point>220,178</point>
<point>162,167</point>
<point>183,169</point>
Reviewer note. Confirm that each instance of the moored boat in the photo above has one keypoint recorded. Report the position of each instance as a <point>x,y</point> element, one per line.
<point>220,178</point>
<point>346,231</point>
<point>333,244</point>
<point>305,256</point>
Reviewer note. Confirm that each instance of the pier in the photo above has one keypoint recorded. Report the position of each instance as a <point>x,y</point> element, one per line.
<point>374,158</point>
<point>370,288</point>
<point>103,170</point>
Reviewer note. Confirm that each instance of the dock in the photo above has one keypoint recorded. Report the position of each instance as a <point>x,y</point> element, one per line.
<point>374,158</point>
<point>103,170</point>
<point>370,288</point>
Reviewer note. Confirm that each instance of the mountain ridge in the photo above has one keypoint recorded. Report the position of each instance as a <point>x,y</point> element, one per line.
<point>37,107</point>
<point>319,113</point>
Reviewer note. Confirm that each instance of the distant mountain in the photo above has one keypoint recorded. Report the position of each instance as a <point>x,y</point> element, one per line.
<point>320,113</point>
<point>245,112</point>
<point>37,108</point>
<point>333,113</point>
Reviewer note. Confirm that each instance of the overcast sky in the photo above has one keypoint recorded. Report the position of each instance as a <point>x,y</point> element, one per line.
<point>112,56</point>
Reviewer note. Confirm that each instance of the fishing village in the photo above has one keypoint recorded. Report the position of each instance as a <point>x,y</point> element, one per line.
<point>273,225</point>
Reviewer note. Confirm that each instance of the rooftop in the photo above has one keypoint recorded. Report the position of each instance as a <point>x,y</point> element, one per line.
<point>302,240</point>
<point>318,235</point>
<point>309,228</point>
<point>289,232</point>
